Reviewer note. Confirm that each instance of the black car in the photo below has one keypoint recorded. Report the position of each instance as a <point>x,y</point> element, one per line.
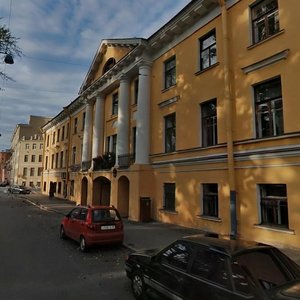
<point>209,268</point>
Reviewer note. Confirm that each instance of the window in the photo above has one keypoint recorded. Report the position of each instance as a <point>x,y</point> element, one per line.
<point>67,131</point>
<point>52,161</point>
<point>265,19</point>
<point>32,158</point>
<point>177,255</point>
<point>268,107</point>
<point>109,64</point>
<point>56,160</point>
<point>61,159</point>
<point>210,200</point>
<point>31,171</point>
<point>58,135</point>
<point>24,171</point>
<point>209,123</point>
<point>26,146</point>
<point>170,133</point>
<point>170,72</point>
<point>136,91</point>
<point>31,184</point>
<point>53,137</point>
<point>33,146</point>
<point>169,196</point>
<point>75,125</point>
<point>115,103</point>
<point>59,188</point>
<point>133,147</point>
<point>208,50</point>
<point>40,170</point>
<point>25,158</point>
<point>83,119</point>
<point>63,133</point>
<point>73,155</point>
<point>40,158</point>
<point>274,205</point>
<point>212,266</point>
<point>48,138</point>
<point>41,146</point>
<point>46,163</point>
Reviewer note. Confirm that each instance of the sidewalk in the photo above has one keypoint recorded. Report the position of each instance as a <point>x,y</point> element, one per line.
<point>138,235</point>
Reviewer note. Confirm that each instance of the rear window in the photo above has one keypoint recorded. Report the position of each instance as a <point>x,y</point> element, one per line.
<point>100,215</point>
<point>263,266</point>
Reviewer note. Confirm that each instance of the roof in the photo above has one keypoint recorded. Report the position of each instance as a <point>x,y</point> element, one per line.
<point>226,246</point>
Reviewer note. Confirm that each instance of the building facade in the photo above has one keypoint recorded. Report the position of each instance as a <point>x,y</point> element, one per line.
<point>4,166</point>
<point>197,123</point>
<point>26,161</point>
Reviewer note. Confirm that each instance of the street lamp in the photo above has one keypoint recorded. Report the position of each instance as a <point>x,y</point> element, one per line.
<point>8,58</point>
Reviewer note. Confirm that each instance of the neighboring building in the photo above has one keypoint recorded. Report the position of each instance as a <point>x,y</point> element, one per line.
<point>198,123</point>
<point>27,153</point>
<point>4,165</point>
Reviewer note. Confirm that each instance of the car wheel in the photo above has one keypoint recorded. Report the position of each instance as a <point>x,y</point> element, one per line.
<point>82,244</point>
<point>62,233</point>
<point>138,286</point>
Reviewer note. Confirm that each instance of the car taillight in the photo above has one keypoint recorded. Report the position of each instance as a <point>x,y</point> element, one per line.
<point>119,225</point>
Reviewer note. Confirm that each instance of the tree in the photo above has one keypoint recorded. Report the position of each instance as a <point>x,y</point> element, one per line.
<point>8,45</point>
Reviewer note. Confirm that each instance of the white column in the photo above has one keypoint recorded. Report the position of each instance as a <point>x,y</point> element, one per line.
<point>143,116</point>
<point>98,127</point>
<point>123,118</point>
<point>86,148</point>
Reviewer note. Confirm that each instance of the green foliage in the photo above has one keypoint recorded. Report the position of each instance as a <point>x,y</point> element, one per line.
<point>8,45</point>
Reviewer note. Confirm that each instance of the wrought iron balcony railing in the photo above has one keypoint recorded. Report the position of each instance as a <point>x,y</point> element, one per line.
<point>85,165</point>
<point>104,162</point>
<point>125,160</point>
<point>75,168</point>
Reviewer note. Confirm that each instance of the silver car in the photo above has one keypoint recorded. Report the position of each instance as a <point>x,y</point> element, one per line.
<point>19,189</point>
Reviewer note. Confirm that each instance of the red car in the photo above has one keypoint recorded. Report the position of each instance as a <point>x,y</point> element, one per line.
<point>93,225</point>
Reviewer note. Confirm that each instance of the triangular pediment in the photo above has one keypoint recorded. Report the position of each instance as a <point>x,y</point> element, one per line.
<point>109,52</point>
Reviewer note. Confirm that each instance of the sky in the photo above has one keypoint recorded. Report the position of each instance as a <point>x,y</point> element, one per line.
<point>59,39</point>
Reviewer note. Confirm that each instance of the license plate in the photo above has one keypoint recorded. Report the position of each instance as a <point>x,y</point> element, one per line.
<point>108,227</point>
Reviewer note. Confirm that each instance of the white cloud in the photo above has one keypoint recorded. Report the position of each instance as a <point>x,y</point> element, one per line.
<point>59,39</point>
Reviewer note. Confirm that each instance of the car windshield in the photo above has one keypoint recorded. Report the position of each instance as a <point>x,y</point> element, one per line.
<point>262,266</point>
<point>104,214</point>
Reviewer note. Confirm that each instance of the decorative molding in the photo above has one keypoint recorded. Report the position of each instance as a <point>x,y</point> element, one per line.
<point>266,62</point>
<point>168,102</point>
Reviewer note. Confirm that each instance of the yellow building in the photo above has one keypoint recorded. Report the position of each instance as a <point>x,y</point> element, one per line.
<point>196,125</point>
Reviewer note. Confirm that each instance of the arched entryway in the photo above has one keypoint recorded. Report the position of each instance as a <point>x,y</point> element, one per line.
<point>123,196</point>
<point>84,191</point>
<point>101,191</point>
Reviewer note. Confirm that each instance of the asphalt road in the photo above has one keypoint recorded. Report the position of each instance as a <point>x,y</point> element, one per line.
<point>36,264</point>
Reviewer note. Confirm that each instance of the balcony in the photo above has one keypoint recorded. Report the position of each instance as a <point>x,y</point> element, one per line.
<point>85,165</point>
<point>105,162</point>
<point>126,160</point>
<point>75,168</point>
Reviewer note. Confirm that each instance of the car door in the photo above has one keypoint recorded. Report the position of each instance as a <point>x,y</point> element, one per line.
<point>167,271</point>
<point>210,276</point>
<point>72,223</point>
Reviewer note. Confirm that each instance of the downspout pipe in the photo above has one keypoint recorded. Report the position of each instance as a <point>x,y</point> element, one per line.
<point>229,113</point>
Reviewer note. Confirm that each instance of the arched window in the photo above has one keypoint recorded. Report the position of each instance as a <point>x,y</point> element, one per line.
<point>109,64</point>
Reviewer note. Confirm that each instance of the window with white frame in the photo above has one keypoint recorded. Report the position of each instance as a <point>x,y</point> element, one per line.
<point>274,205</point>
<point>208,50</point>
<point>115,103</point>
<point>209,123</point>
<point>170,72</point>
<point>265,19</point>
<point>170,133</point>
<point>210,201</point>
<point>268,108</point>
